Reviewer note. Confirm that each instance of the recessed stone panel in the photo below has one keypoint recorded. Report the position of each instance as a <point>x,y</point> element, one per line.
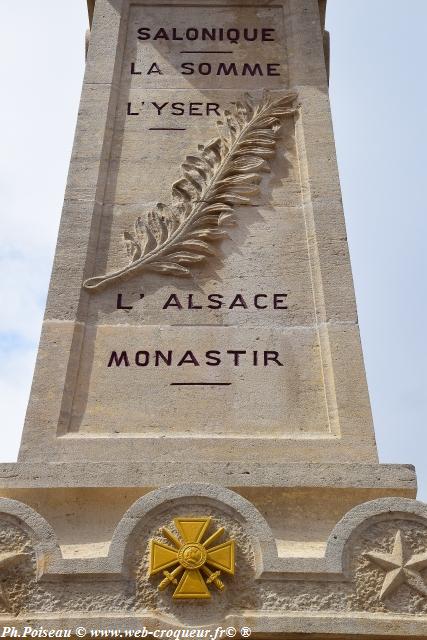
<point>202,267</point>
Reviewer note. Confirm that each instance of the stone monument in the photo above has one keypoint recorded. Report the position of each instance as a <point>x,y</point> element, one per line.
<point>198,449</point>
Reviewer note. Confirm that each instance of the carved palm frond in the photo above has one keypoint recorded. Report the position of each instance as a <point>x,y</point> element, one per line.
<point>223,174</point>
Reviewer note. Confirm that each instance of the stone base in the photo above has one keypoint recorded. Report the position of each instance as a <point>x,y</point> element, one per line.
<point>315,547</point>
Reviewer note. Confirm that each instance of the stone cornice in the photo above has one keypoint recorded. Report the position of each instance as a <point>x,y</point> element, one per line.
<point>290,475</point>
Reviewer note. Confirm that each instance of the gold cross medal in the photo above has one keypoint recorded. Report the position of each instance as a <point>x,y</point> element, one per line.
<point>199,562</point>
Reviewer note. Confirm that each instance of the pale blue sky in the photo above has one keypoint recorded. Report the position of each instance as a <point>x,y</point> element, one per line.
<point>379,98</point>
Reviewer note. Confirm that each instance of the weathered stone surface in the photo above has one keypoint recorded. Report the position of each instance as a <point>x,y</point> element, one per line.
<point>17,568</point>
<point>343,583</point>
<point>287,249</point>
<point>386,477</point>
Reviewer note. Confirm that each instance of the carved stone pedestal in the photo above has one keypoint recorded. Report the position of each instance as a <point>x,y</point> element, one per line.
<point>333,550</point>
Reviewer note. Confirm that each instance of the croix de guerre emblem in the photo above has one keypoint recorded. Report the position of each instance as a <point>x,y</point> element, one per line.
<point>192,564</point>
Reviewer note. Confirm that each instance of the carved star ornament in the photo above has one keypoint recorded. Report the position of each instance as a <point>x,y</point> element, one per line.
<point>400,566</point>
<point>7,560</point>
<point>191,564</point>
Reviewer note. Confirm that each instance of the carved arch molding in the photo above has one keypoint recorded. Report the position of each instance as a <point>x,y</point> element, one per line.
<point>375,562</point>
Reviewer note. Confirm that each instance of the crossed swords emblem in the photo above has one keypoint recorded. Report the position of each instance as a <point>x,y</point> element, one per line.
<point>199,562</point>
